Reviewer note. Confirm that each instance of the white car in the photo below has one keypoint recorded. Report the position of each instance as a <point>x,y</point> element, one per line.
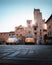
<point>12,39</point>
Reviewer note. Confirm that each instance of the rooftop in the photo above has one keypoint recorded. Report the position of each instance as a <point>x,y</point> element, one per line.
<point>49,18</point>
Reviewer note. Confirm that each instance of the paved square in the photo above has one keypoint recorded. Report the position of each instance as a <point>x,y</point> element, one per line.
<point>23,53</point>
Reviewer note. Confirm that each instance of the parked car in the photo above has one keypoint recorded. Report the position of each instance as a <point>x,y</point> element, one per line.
<point>13,39</point>
<point>29,40</point>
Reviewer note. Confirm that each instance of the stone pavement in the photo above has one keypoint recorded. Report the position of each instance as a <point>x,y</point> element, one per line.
<point>26,54</point>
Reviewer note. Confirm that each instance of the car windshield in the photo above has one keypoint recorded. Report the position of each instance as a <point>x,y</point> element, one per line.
<point>29,37</point>
<point>13,36</point>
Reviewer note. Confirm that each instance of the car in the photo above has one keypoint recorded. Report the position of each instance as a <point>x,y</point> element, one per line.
<point>12,39</point>
<point>29,40</point>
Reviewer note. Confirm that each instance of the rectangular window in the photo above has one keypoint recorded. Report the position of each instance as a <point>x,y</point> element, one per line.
<point>34,28</point>
<point>50,34</point>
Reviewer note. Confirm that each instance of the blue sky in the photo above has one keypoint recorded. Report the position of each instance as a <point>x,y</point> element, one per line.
<point>16,12</point>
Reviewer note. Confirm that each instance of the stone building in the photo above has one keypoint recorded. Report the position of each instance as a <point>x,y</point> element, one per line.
<point>44,25</point>
<point>30,30</point>
<point>20,31</point>
<point>38,24</point>
<point>49,29</point>
<point>4,35</point>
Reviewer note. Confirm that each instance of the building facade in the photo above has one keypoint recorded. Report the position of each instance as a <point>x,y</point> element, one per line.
<point>49,29</point>
<point>4,35</point>
<point>20,31</point>
<point>38,30</point>
<point>38,24</point>
<point>49,26</point>
<point>30,30</point>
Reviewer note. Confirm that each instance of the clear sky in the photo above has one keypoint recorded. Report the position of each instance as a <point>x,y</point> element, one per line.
<point>16,12</point>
